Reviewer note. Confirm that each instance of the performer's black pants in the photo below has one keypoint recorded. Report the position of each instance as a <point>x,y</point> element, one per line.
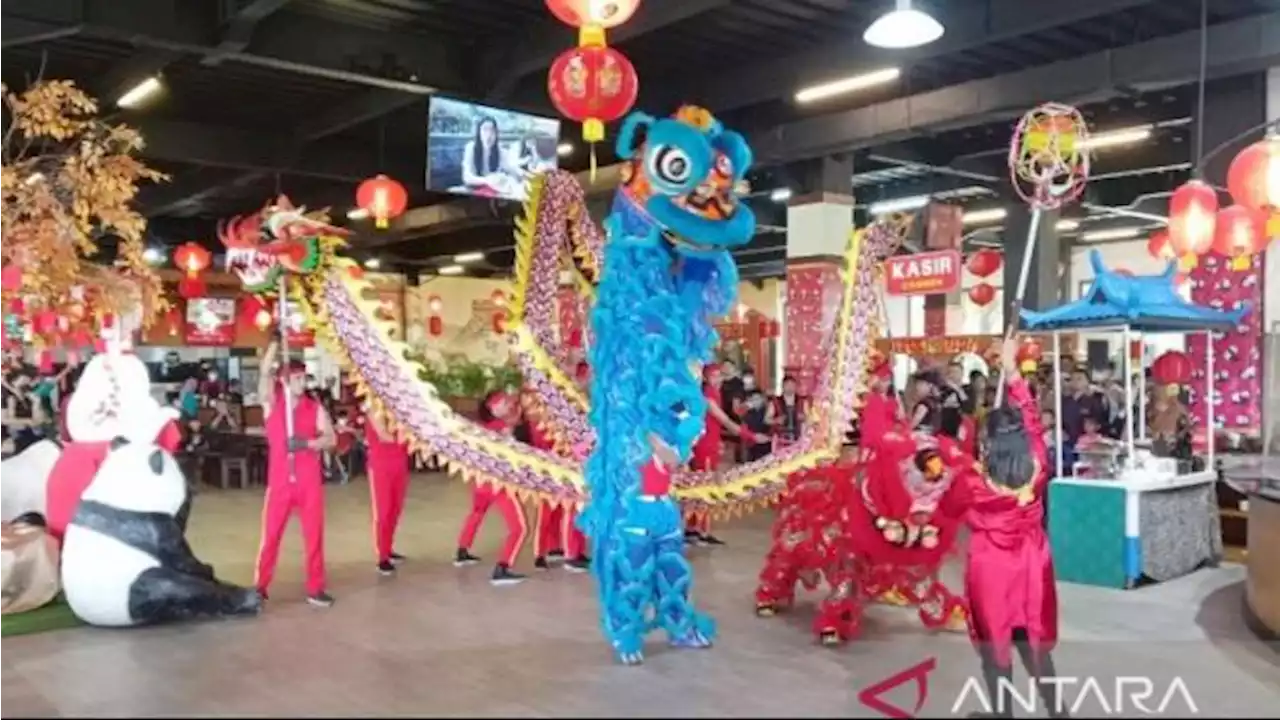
<point>1038,665</point>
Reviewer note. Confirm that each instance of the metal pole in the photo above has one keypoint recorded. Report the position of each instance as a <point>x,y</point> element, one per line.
<point>1210,397</point>
<point>1142,400</point>
<point>1128,398</point>
<point>1057,400</point>
<point>283,327</point>
<point>1033,236</point>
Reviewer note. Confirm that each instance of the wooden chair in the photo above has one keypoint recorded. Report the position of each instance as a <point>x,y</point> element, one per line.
<point>234,466</point>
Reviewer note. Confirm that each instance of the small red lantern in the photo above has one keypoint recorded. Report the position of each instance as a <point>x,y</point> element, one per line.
<point>500,322</point>
<point>592,84</point>
<point>1159,248</point>
<point>601,13</point>
<point>984,263</point>
<point>383,198</point>
<point>191,259</point>
<point>1172,368</point>
<point>982,294</point>
<point>435,326</point>
<point>1253,179</point>
<point>1192,214</point>
<point>1238,234</point>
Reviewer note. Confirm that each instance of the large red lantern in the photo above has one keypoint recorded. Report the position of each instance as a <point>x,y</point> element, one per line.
<point>1159,248</point>
<point>383,198</point>
<point>1253,179</point>
<point>601,13</point>
<point>1192,213</point>
<point>1172,368</point>
<point>982,294</point>
<point>984,263</point>
<point>1238,234</point>
<point>594,85</point>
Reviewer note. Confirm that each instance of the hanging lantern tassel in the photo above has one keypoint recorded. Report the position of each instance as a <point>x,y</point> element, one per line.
<point>592,133</point>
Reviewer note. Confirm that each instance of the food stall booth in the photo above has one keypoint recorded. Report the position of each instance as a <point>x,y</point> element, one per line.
<point>1134,516</point>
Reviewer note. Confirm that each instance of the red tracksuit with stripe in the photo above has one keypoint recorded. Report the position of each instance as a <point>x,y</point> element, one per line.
<point>485,496</point>
<point>301,492</point>
<point>388,486</point>
<point>555,528</point>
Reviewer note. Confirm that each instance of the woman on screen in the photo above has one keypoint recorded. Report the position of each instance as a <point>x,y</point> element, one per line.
<point>482,157</point>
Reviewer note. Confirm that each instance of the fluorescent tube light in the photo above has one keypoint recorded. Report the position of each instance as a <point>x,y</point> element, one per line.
<point>470,257</point>
<point>357,214</point>
<point>780,195</point>
<point>1067,225</point>
<point>826,90</point>
<point>564,149</point>
<point>373,263</point>
<point>451,270</point>
<point>1112,234</point>
<point>139,93</point>
<point>904,204</point>
<point>1112,138</point>
<point>981,217</point>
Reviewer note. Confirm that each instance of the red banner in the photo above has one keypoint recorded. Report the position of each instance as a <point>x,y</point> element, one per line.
<point>1237,354</point>
<point>211,322</point>
<point>298,334</point>
<point>928,273</point>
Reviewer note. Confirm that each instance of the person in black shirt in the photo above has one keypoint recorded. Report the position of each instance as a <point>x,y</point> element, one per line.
<point>952,400</point>
<point>926,413</point>
<point>755,410</point>
<point>1081,399</point>
<point>786,413</point>
<point>732,395</point>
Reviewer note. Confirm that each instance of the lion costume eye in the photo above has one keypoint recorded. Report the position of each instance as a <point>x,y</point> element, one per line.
<point>670,164</point>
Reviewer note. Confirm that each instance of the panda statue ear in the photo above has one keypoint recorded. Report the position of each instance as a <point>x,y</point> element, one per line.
<point>119,442</point>
<point>156,461</point>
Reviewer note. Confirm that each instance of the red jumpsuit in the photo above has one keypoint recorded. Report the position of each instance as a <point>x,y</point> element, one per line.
<point>302,491</point>
<point>1009,578</point>
<point>388,485</point>
<point>555,528</point>
<point>485,496</point>
<point>707,452</point>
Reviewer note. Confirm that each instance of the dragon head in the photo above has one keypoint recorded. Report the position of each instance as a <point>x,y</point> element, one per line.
<point>276,239</point>
<point>683,179</point>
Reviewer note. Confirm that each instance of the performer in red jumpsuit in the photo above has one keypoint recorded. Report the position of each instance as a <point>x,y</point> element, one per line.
<point>707,452</point>
<point>555,534</point>
<point>388,486</point>
<point>295,476</point>
<point>495,413</point>
<point>1009,578</point>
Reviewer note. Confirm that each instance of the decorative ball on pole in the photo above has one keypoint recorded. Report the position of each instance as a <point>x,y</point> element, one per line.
<point>383,198</point>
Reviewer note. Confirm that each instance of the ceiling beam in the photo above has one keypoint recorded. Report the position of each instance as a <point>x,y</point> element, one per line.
<point>508,65</point>
<point>239,27</point>
<point>1234,48</point>
<point>780,78</point>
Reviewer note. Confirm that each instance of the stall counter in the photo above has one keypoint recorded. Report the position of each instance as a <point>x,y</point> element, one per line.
<point>1113,533</point>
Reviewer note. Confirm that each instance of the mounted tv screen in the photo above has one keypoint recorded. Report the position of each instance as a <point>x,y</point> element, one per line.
<point>486,152</point>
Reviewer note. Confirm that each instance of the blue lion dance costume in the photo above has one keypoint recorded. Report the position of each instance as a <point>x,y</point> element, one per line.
<point>667,275</point>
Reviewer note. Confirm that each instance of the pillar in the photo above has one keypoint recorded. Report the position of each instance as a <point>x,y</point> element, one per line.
<point>1231,107</point>
<point>1271,292</point>
<point>819,221</point>
<point>1042,289</point>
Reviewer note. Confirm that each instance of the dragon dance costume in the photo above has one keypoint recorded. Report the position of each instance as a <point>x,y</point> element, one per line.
<point>667,274</point>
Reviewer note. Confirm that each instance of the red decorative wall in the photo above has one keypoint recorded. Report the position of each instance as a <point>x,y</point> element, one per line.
<point>813,302</point>
<point>1237,354</point>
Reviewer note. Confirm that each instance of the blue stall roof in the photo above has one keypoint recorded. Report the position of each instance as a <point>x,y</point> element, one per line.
<point>1146,304</point>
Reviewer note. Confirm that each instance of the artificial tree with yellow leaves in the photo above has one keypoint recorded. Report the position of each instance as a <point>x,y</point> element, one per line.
<point>69,181</point>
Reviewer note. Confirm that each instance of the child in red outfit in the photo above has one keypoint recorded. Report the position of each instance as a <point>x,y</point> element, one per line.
<point>495,413</point>
<point>555,533</point>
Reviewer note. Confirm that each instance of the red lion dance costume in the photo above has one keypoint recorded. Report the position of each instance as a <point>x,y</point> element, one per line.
<point>871,527</point>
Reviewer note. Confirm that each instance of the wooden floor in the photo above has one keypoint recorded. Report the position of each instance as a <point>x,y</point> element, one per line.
<point>441,641</point>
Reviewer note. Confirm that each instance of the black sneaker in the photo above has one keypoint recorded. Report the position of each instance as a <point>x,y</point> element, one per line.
<point>711,540</point>
<point>556,556</point>
<point>397,558</point>
<point>262,593</point>
<point>503,575</point>
<point>464,558</point>
<point>692,537</point>
<point>386,567</point>
<point>321,599</point>
<point>541,563</point>
<point>578,565</point>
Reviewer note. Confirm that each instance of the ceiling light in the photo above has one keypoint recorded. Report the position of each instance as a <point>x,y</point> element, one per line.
<point>981,217</point>
<point>138,93</point>
<point>153,256</point>
<point>825,90</point>
<point>373,263</point>
<point>564,149</point>
<point>357,214</point>
<point>905,204</point>
<point>1111,138</point>
<point>1067,225</point>
<point>451,270</point>
<point>470,257</point>
<point>1112,234</point>
<point>903,27</point>
<point>780,195</point>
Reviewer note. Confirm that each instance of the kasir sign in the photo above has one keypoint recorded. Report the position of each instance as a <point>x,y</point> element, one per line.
<point>928,273</point>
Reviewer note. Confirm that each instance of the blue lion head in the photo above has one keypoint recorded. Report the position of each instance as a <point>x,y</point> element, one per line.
<point>681,183</point>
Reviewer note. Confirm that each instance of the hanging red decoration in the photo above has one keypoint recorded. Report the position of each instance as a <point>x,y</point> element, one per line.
<point>1192,214</point>
<point>982,294</point>
<point>1159,248</point>
<point>601,13</point>
<point>1238,234</point>
<point>191,259</point>
<point>984,263</point>
<point>500,322</point>
<point>435,326</point>
<point>1253,179</point>
<point>775,329</point>
<point>592,84</point>
<point>434,304</point>
<point>1029,355</point>
<point>1172,368</point>
<point>383,198</point>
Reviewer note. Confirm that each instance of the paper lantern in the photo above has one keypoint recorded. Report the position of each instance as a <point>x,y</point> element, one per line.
<point>435,326</point>
<point>1030,351</point>
<point>1159,248</point>
<point>1193,212</point>
<point>984,263</point>
<point>1253,179</point>
<point>1172,368</point>
<point>434,304</point>
<point>593,85</point>
<point>191,259</point>
<point>500,322</point>
<point>601,13</point>
<point>383,198</point>
<point>1238,234</point>
<point>982,294</point>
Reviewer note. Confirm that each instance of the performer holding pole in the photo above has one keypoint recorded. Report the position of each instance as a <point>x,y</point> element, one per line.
<point>388,486</point>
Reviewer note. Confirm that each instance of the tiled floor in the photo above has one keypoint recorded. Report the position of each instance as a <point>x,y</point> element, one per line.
<point>441,641</point>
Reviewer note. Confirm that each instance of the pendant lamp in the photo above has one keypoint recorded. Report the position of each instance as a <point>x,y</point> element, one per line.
<point>903,27</point>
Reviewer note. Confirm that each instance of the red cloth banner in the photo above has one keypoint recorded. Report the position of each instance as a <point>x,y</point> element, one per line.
<point>1237,354</point>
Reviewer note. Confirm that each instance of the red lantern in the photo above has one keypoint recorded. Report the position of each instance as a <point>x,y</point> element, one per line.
<point>1253,179</point>
<point>434,304</point>
<point>383,198</point>
<point>1172,368</point>
<point>982,294</point>
<point>1029,351</point>
<point>601,13</point>
<point>1238,234</point>
<point>1159,248</point>
<point>594,85</point>
<point>984,263</point>
<point>1192,214</point>
<point>191,259</point>
<point>435,326</point>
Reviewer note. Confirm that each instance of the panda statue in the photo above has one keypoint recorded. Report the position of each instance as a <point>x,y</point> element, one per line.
<point>125,558</point>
